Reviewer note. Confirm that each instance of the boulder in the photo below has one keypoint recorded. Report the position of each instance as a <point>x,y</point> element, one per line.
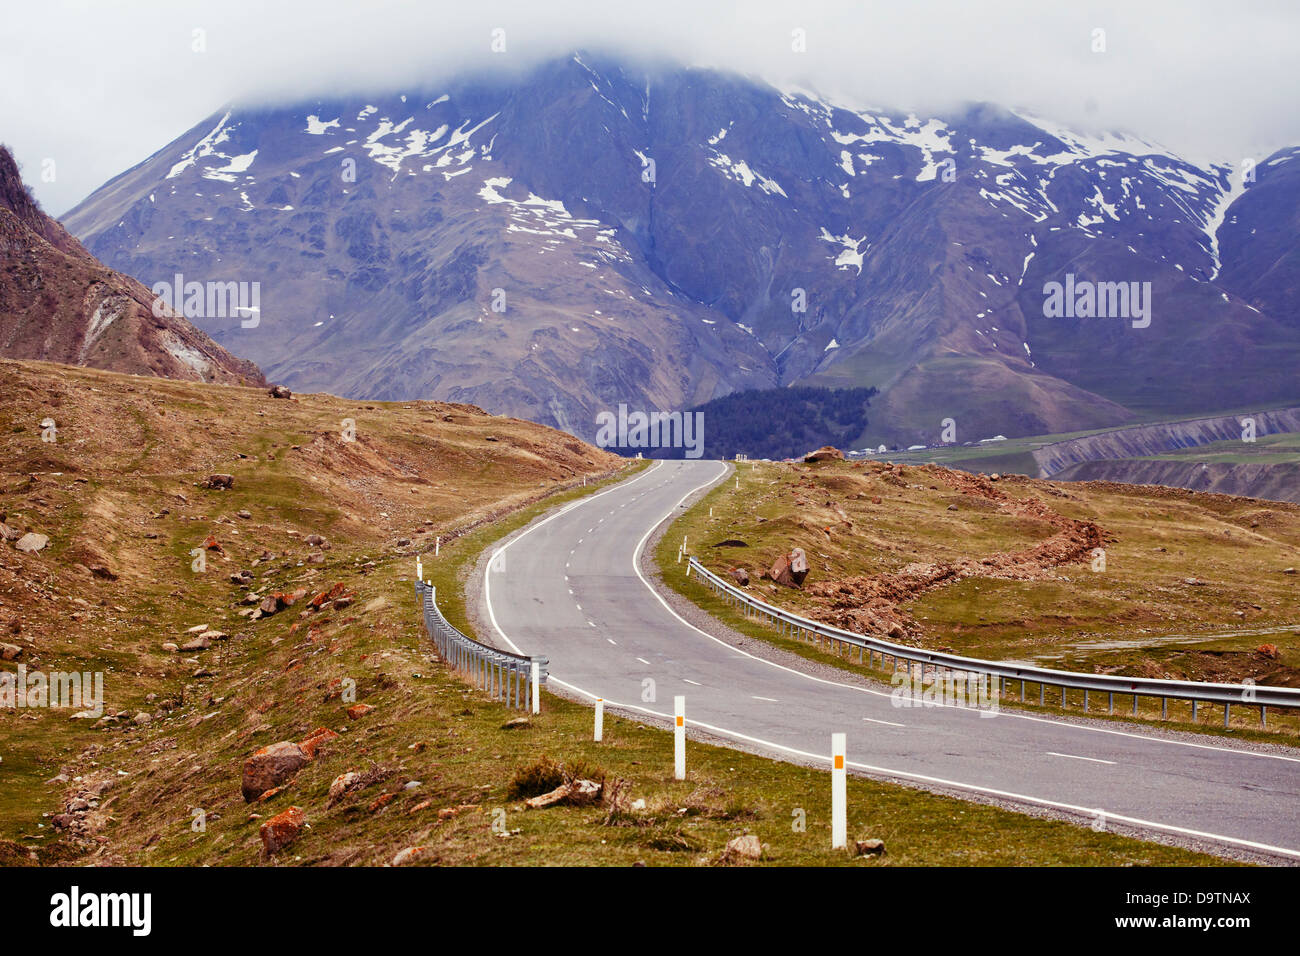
<point>10,652</point>
<point>790,569</point>
<point>575,793</point>
<point>869,847</point>
<point>357,711</point>
<point>279,391</point>
<point>198,644</point>
<point>745,847</point>
<point>32,542</point>
<point>270,767</point>
<point>281,830</point>
<point>317,541</point>
<point>1268,650</point>
<point>740,576</point>
<point>825,453</point>
<point>219,482</point>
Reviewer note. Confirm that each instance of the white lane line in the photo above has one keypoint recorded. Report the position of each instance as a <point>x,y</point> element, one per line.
<point>695,683</point>
<point>644,661</point>
<point>771,700</point>
<point>1053,753</point>
<point>887,723</point>
<point>610,639</point>
<point>579,605</point>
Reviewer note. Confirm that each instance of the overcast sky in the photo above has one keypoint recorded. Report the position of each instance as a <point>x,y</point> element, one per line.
<point>98,85</point>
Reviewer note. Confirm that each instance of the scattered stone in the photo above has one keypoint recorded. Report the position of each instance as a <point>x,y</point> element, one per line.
<point>343,784</point>
<point>1288,570</point>
<point>406,856</point>
<point>170,648</point>
<point>102,572</point>
<point>317,541</point>
<point>740,576</point>
<point>1194,582</point>
<point>142,718</point>
<point>745,847</point>
<point>869,847</point>
<point>952,507</point>
<point>357,711</point>
<point>1268,650</point>
<point>574,793</point>
<point>241,513</point>
<point>198,644</point>
<point>315,740</point>
<point>32,542</point>
<point>790,569</point>
<point>279,391</point>
<point>282,829</point>
<point>219,482</point>
<point>516,723</point>
<point>270,767</point>
<point>10,652</point>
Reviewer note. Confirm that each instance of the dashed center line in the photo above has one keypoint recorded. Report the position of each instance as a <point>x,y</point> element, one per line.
<point>887,723</point>
<point>644,661</point>
<point>695,683</point>
<point>772,700</point>
<point>610,639</point>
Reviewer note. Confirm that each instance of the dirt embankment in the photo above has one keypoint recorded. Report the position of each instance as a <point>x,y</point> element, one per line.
<point>1156,439</point>
<point>874,603</point>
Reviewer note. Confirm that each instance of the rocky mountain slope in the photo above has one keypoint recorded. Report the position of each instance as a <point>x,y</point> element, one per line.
<point>58,303</point>
<point>551,245</point>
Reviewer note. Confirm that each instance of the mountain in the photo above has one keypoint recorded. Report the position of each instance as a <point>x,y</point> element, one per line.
<point>59,304</point>
<point>589,234</point>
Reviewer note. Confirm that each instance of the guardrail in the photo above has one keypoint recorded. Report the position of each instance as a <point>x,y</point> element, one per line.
<point>504,675</point>
<point>801,628</point>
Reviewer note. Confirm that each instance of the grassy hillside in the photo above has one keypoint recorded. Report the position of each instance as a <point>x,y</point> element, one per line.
<point>158,779</point>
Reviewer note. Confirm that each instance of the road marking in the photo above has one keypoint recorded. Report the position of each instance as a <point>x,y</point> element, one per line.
<point>644,661</point>
<point>771,700</point>
<point>579,605</point>
<point>1087,812</point>
<point>887,723</point>
<point>689,681</point>
<point>1053,753</point>
<point>610,639</point>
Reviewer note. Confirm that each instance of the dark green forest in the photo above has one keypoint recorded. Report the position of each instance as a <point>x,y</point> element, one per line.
<point>776,423</point>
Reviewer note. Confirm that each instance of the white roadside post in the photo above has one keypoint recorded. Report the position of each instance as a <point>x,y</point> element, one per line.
<point>537,690</point>
<point>679,737</point>
<point>600,719</point>
<point>839,796</point>
<point>437,545</point>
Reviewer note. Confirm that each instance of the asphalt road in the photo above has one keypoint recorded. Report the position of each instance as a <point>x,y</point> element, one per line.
<point>568,587</point>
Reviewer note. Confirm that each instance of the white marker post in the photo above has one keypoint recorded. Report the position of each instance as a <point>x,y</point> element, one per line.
<point>419,570</point>
<point>537,689</point>
<point>679,737</point>
<point>839,794</point>
<point>437,545</point>
<point>600,719</point>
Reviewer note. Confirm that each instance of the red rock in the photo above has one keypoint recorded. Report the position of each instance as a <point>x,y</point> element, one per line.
<point>357,711</point>
<point>281,830</point>
<point>315,740</point>
<point>1269,650</point>
<point>380,802</point>
<point>422,805</point>
<point>406,856</point>
<point>270,767</point>
<point>211,544</point>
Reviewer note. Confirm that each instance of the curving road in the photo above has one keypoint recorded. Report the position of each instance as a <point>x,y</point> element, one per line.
<point>568,587</point>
